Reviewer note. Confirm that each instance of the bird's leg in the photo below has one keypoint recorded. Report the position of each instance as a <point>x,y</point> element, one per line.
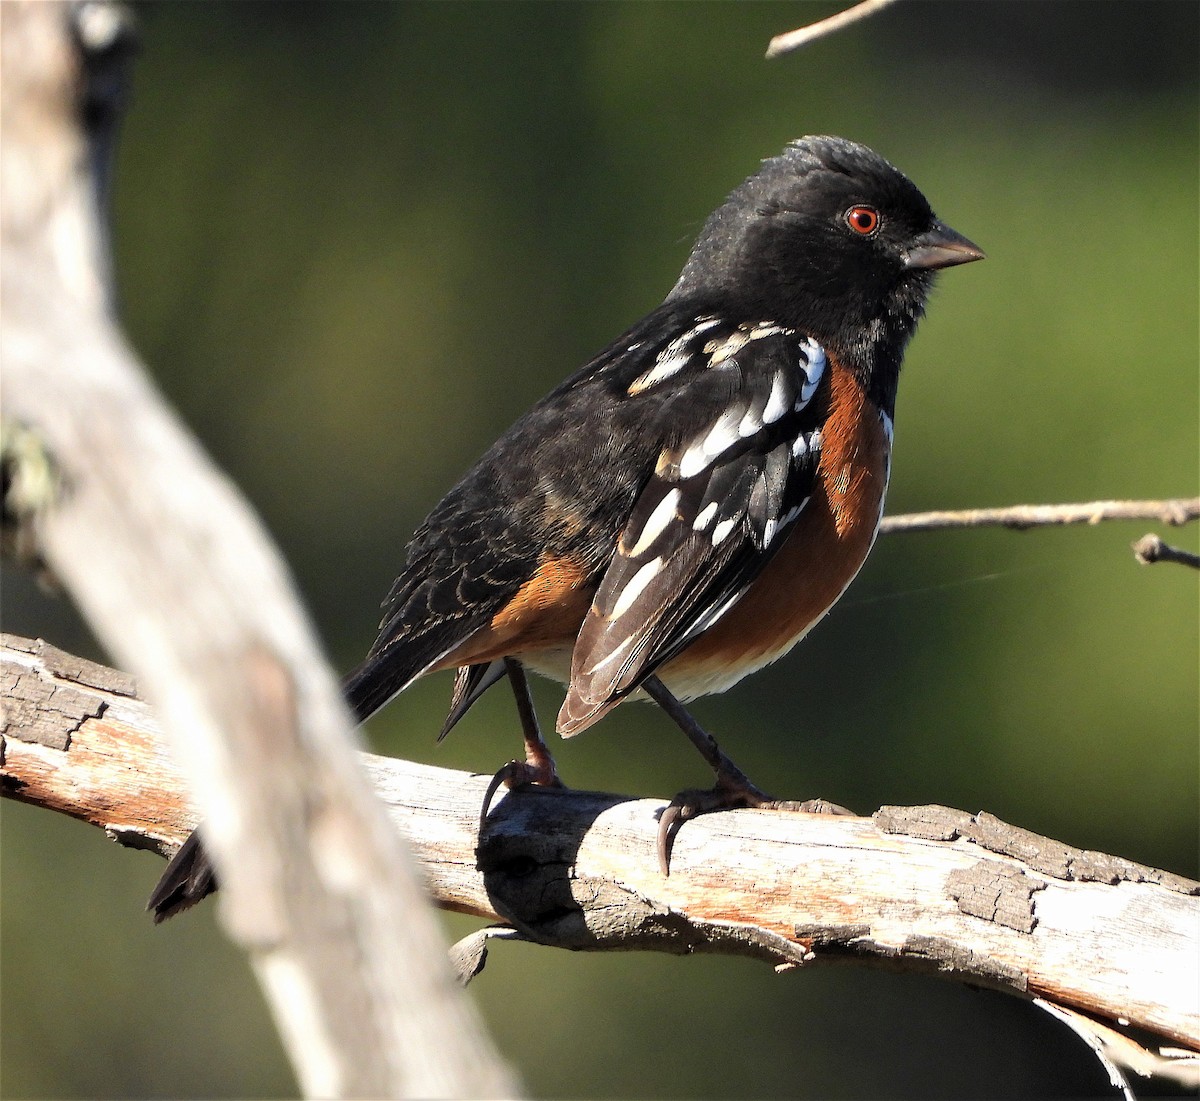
<point>729,776</point>
<point>538,766</point>
<point>732,789</point>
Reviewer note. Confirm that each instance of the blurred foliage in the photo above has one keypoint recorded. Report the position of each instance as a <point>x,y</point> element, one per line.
<point>356,240</point>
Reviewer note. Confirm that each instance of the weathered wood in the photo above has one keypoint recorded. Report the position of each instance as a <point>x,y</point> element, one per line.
<point>925,889</point>
<point>110,766</point>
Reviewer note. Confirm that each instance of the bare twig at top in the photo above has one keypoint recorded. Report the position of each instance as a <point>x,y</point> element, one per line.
<point>792,40</point>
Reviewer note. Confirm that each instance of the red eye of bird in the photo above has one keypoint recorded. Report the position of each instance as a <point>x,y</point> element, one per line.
<point>863,219</point>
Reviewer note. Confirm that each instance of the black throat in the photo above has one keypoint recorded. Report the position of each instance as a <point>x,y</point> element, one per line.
<point>875,349</point>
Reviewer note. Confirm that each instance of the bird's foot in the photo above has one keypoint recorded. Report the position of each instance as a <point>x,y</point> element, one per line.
<point>732,791</point>
<point>729,793</point>
<point>539,770</point>
<point>538,766</point>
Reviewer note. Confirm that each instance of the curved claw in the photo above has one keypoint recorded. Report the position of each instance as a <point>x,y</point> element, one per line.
<point>689,804</point>
<point>518,774</point>
<point>500,777</point>
<point>668,826</point>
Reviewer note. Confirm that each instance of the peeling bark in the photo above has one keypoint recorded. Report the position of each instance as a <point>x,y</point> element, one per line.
<point>995,893</point>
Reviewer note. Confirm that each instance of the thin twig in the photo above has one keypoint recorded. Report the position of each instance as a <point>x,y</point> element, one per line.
<point>1175,511</point>
<point>792,40</point>
<point>1150,549</point>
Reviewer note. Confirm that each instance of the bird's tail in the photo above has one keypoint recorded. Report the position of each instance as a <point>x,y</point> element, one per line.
<point>389,670</point>
<point>189,878</point>
<point>385,673</point>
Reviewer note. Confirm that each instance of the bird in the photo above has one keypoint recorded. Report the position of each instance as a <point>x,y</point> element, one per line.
<point>688,505</point>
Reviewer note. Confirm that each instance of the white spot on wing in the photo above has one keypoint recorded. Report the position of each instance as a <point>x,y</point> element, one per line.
<point>813,372</point>
<point>664,367</point>
<point>792,513</point>
<point>751,422</point>
<point>720,438</point>
<point>722,530</point>
<point>776,403</point>
<point>617,652</point>
<point>672,359</point>
<point>662,515</point>
<point>724,434</point>
<point>633,589</point>
<point>815,355</point>
<point>693,461</point>
<point>705,516</point>
<point>710,617</point>
<point>719,351</point>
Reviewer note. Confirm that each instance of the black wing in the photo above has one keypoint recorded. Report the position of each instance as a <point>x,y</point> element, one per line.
<point>715,509</point>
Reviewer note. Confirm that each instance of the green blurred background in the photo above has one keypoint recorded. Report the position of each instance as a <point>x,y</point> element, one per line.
<point>356,240</point>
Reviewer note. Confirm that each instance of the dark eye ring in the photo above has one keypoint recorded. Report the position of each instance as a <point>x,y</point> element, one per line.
<point>863,220</point>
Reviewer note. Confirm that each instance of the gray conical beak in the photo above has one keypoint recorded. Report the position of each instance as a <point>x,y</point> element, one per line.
<point>940,247</point>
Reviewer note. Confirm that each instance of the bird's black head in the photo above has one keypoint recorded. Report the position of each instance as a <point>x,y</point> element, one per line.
<point>830,239</point>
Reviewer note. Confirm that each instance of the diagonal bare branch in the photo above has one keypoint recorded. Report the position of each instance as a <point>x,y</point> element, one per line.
<point>793,40</point>
<point>178,578</point>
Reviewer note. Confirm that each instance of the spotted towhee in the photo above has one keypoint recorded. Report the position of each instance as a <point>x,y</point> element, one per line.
<point>685,508</point>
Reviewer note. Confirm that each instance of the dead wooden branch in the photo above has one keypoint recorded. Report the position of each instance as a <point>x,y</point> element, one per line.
<point>924,889</point>
<point>177,577</point>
